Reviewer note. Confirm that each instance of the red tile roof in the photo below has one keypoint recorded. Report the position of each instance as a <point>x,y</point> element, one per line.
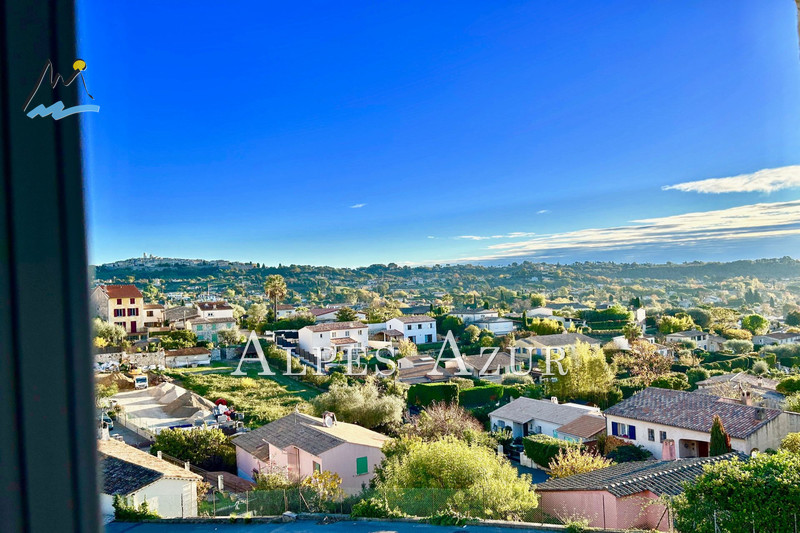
<point>122,291</point>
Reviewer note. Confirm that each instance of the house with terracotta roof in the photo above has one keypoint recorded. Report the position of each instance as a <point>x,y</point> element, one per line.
<point>122,305</point>
<point>330,338</point>
<point>285,310</point>
<point>153,315</point>
<point>139,477</point>
<point>420,369</point>
<point>297,445</point>
<point>218,309</point>
<point>419,329</point>
<point>586,428</point>
<point>673,423</point>
<point>624,496</point>
<point>328,314</point>
<point>558,343</point>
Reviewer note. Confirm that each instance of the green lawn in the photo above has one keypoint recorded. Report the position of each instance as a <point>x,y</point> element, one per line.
<point>261,399</point>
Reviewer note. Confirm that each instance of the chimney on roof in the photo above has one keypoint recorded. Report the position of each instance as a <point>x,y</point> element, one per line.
<point>761,413</point>
<point>668,450</point>
<point>554,399</point>
<point>746,397</point>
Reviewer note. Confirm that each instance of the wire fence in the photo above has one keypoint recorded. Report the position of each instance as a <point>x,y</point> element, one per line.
<point>455,506</point>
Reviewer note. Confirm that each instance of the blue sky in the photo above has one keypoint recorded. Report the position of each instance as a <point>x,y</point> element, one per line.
<point>416,132</point>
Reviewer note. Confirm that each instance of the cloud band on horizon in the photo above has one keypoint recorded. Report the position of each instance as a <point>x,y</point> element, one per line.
<point>767,180</point>
<point>763,220</point>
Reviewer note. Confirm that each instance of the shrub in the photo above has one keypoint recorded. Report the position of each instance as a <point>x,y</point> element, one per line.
<point>628,453</point>
<point>791,442</point>
<point>695,375</point>
<point>542,449</point>
<point>674,381</point>
<point>573,461</point>
<point>760,368</point>
<point>481,395</point>
<point>375,508</point>
<point>789,385</point>
<point>424,394</point>
<point>125,512</point>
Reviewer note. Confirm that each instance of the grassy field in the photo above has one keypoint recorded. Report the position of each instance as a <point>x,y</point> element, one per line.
<point>261,399</point>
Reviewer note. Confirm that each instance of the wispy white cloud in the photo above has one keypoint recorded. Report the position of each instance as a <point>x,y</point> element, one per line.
<point>512,235</point>
<point>431,237</point>
<point>762,221</point>
<point>767,180</point>
<point>357,206</point>
<point>542,211</point>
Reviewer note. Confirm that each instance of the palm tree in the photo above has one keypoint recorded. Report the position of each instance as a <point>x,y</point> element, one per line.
<point>275,288</point>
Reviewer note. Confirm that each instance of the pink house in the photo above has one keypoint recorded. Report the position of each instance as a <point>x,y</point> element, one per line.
<point>299,444</point>
<point>622,496</point>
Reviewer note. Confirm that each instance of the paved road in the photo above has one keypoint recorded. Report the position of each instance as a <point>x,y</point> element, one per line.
<point>306,526</point>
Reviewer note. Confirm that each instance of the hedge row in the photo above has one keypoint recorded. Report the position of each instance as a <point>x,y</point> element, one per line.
<point>789,361</point>
<point>424,394</point>
<point>481,395</point>
<point>541,449</point>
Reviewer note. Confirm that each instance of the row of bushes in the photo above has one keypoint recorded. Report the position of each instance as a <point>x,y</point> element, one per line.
<point>424,394</point>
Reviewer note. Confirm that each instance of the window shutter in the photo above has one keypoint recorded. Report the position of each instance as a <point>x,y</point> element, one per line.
<point>362,467</point>
<point>614,428</point>
<point>632,432</point>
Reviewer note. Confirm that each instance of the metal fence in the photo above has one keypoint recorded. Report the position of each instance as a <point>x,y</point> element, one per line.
<point>632,513</point>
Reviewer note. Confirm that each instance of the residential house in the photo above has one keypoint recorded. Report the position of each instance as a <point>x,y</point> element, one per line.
<point>420,369</point>
<point>415,309</point>
<point>762,390</point>
<point>331,337</point>
<point>586,429</point>
<point>470,316</point>
<point>285,310</point>
<point>776,337</point>
<point>526,416</point>
<point>497,325</point>
<point>328,314</point>
<point>488,367</point>
<point>716,343</point>
<point>153,315</point>
<point>139,477</point>
<point>299,445</point>
<point>208,329</point>
<point>122,305</point>
<point>176,317</point>
<point>625,496</point>
<point>185,357</point>
<point>218,309</point>
<point>419,329</point>
<point>655,417</point>
<point>700,338</point>
<point>623,344</point>
<point>543,345</point>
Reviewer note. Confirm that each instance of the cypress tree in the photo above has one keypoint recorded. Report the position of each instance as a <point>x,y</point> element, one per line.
<point>720,440</point>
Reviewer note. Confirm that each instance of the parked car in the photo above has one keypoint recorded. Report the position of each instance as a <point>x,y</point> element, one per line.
<point>106,421</point>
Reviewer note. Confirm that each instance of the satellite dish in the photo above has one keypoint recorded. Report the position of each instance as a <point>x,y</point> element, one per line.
<point>329,419</point>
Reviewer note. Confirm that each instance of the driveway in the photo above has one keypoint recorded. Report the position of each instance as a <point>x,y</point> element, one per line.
<point>306,526</point>
<point>537,475</point>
